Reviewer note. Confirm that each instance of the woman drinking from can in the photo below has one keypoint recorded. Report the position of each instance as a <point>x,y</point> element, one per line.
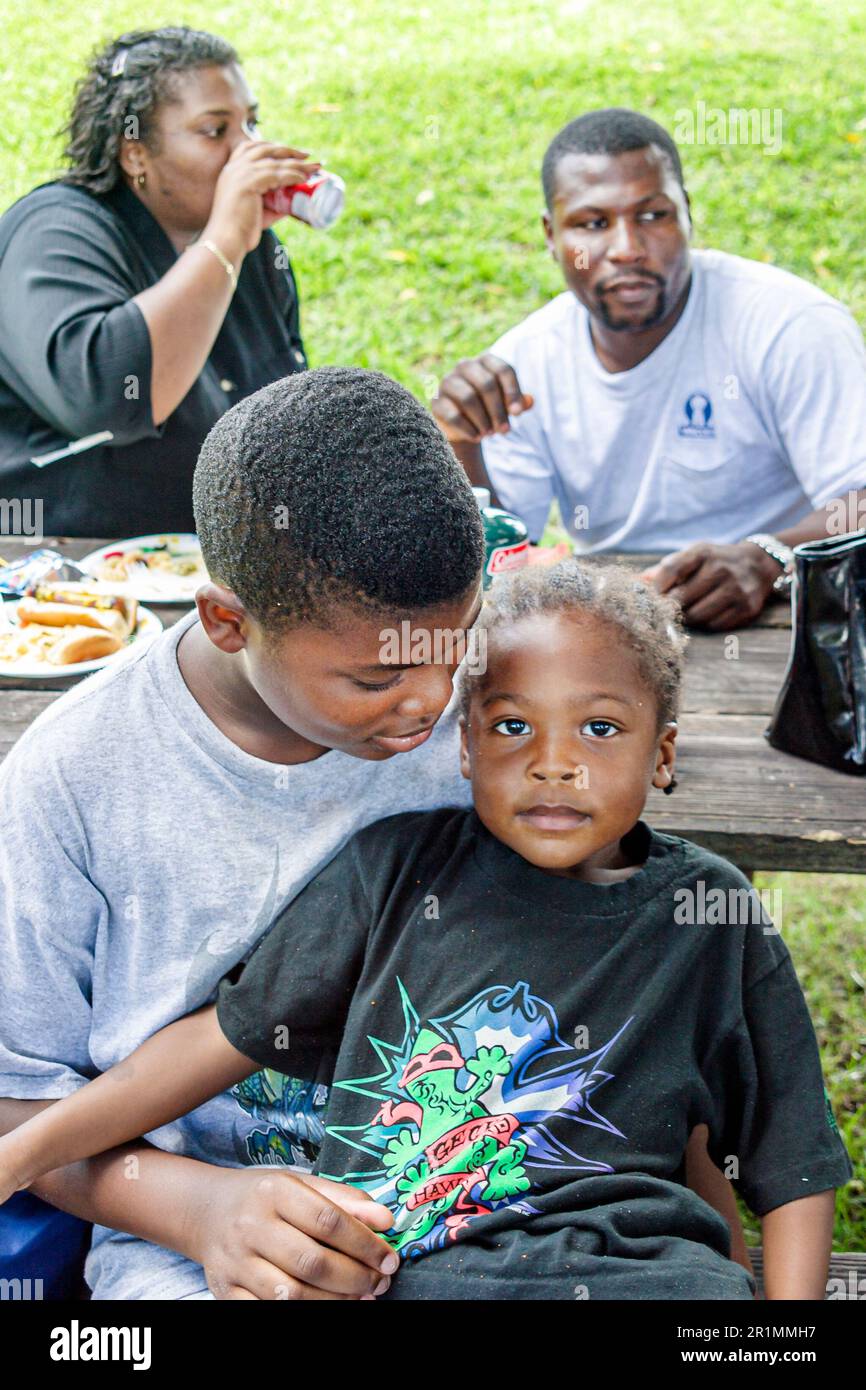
<point>142,293</point>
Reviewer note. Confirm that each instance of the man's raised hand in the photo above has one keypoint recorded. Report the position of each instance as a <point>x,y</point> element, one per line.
<point>476,398</point>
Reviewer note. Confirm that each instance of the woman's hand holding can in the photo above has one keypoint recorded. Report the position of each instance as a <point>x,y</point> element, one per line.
<point>239,215</point>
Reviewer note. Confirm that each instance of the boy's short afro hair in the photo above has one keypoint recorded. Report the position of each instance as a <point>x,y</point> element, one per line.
<point>334,487</point>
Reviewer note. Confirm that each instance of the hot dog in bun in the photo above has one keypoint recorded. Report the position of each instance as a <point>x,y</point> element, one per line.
<point>77,605</point>
<point>82,644</point>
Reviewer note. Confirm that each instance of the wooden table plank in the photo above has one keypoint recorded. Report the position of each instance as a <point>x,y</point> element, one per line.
<point>736,795</point>
<point>18,709</point>
<point>728,796</point>
<point>846,1277</point>
<point>735,673</point>
<point>757,806</point>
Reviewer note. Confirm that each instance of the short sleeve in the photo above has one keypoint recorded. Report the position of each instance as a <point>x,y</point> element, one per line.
<point>519,463</point>
<point>82,355</point>
<point>289,1006</point>
<point>50,916</point>
<point>772,1113</point>
<point>815,376</point>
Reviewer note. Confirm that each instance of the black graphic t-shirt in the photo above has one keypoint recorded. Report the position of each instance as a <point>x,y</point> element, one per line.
<point>519,1058</point>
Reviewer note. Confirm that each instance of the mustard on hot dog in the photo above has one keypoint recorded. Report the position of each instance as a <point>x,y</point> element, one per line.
<point>75,605</point>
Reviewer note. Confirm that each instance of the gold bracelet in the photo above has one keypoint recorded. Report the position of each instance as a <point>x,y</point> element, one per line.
<point>223,260</point>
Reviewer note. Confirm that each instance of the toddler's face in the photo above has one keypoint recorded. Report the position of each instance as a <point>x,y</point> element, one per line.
<point>562,744</point>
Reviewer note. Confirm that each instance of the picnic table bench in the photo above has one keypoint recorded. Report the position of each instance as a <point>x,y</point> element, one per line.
<point>736,795</point>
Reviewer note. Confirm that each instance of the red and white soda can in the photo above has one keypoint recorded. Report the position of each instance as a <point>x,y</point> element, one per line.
<point>317,202</point>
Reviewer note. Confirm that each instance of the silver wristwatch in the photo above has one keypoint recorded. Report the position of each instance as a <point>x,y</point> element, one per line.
<point>780,552</point>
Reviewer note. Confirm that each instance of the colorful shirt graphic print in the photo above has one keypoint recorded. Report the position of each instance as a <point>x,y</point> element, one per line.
<point>465,1111</point>
<point>291,1113</point>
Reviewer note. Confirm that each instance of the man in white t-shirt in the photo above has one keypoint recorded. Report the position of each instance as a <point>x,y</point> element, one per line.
<point>669,400</point>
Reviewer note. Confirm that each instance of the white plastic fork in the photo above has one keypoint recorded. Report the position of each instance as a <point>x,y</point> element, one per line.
<point>138,571</point>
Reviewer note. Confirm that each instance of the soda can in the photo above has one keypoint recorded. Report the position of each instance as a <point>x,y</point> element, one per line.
<point>318,202</point>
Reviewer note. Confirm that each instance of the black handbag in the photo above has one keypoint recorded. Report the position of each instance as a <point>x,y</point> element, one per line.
<point>820,713</point>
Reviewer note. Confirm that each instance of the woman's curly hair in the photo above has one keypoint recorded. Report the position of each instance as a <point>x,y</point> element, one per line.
<point>126,82</point>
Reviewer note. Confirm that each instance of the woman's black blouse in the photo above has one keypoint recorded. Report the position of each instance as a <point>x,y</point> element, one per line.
<point>75,359</point>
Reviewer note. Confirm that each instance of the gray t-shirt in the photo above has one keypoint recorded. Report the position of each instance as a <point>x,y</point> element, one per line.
<point>142,855</point>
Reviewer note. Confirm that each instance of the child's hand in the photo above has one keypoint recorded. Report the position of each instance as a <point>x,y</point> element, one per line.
<point>268,1234</point>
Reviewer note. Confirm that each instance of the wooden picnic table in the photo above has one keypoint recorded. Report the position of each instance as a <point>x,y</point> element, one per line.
<point>758,807</point>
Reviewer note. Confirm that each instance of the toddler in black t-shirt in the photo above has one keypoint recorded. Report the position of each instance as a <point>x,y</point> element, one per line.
<point>526,1008</point>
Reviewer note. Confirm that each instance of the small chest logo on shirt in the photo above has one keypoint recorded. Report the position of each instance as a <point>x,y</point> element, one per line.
<point>698,411</point>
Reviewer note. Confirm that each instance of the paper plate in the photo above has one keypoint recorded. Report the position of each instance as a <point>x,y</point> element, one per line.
<point>27,669</point>
<point>155,587</point>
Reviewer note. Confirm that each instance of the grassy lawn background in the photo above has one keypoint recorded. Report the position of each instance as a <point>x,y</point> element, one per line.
<point>438,116</point>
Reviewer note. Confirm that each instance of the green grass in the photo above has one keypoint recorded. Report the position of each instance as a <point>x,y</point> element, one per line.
<point>459,100</point>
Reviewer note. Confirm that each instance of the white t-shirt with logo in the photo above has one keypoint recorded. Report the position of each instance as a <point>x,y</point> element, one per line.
<point>750,414</point>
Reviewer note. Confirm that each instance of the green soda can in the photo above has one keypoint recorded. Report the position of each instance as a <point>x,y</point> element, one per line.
<point>506,538</point>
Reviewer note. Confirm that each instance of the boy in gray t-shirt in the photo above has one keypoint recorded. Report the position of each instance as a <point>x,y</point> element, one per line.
<point>255,740</point>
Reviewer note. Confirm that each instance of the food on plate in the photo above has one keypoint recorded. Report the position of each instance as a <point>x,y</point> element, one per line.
<point>64,624</point>
<point>161,560</point>
<point>78,605</point>
<point>82,644</point>
<point>57,646</point>
<point>74,627</point>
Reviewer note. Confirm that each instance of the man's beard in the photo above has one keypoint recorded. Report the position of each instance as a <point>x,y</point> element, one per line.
<point>655,315</point>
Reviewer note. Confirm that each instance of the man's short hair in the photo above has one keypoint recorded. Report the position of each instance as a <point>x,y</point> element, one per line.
<point>615,130</point>
<point>335,487</point>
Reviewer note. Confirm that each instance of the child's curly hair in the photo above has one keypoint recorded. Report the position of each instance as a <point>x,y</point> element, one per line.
<point>647,621</point>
